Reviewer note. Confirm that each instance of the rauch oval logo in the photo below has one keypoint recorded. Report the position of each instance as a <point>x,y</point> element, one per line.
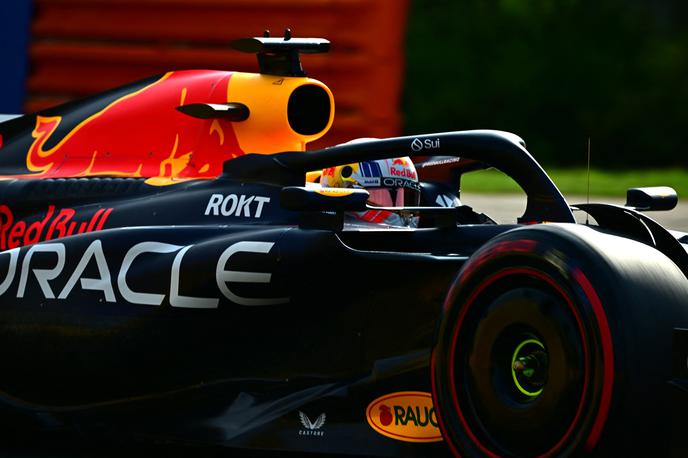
<point>406,416</point>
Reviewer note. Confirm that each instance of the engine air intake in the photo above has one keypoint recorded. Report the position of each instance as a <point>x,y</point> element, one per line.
<point>308,109</point>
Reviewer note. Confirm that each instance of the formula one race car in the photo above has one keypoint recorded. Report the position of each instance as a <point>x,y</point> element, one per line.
<point>159,282</point>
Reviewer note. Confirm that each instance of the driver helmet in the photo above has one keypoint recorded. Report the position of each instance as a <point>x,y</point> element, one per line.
<point>390,183</point>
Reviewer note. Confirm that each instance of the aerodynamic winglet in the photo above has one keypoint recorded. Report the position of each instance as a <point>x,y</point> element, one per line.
<point>280,55</point>
<point>235,112</point>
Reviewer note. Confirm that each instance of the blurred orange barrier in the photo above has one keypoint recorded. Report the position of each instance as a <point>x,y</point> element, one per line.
<point>81,47</point>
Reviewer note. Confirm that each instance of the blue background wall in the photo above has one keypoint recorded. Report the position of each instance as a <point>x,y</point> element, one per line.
<point>15,21</point>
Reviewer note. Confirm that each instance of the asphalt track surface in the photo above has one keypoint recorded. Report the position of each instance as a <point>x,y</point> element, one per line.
<point>503,208</point>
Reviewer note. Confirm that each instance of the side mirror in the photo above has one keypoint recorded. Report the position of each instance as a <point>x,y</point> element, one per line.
<point>655,198</point>
<point>302,198</point>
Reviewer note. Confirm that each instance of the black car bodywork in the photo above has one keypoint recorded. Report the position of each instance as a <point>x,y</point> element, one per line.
<point>244,311</point>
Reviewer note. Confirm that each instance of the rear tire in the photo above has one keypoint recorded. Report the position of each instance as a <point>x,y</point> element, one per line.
<point>555,340</point>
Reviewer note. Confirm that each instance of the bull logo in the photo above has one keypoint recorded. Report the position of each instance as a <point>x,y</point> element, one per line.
<point>142,134</point>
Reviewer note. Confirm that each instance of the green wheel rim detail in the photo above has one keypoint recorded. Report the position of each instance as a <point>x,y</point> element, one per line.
<point>515,356</point>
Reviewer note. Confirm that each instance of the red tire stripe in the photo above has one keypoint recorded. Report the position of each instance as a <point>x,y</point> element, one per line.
<point>462,314</point>
<point>607,359</point>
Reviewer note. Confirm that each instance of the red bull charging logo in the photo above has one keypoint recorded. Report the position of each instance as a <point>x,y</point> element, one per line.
<point>55,223</point>
<point>142,134</point>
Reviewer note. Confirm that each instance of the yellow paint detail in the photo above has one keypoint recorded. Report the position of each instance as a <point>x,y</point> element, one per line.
<point>418,422</point>
<point>216,127</point>
<point>41,133</point>
<point>332,176</point>
<point>176,164</point>
<point>168,181</point>
<point>313,177</point>
<point>267,129</point>
<point>41,136</point>
<point>89,170</point>
<point>334,192</point>
<point>183,99</point>
<point>204,168</point>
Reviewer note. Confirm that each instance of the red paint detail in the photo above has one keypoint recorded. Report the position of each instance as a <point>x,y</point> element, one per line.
<point>140,133</point>
<point>452,379</point>
<point>381,216</point>
<point>103,219</point>
<point>375,216</point>
<point>385,415</point>
<point>0,140</point>
<point>6,220</point>
<point>16,233</point>
<point>38,227</point>
<point>607,358</point>
<point>93,220</point>
<point>59,224</point>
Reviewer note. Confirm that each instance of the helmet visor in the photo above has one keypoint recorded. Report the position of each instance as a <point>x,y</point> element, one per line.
<point>393,197</point>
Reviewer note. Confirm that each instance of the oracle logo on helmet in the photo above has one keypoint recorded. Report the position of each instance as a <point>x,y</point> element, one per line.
<point>400,183</point>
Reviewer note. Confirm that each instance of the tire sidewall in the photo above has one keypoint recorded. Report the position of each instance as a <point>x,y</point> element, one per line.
<point>573,261</point>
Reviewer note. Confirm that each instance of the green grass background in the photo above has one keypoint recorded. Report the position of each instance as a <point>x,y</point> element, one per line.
<point>574,181</point>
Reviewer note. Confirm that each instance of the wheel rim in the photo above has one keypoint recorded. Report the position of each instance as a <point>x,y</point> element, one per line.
<point>529,367</point>
<point>541,380</point>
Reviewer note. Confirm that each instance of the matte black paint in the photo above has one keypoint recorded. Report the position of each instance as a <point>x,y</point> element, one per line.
<point>360,321</point>
<point>359,324</point>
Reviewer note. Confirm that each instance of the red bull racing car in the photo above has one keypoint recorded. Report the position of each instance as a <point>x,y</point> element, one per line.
<point>169,272</point>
